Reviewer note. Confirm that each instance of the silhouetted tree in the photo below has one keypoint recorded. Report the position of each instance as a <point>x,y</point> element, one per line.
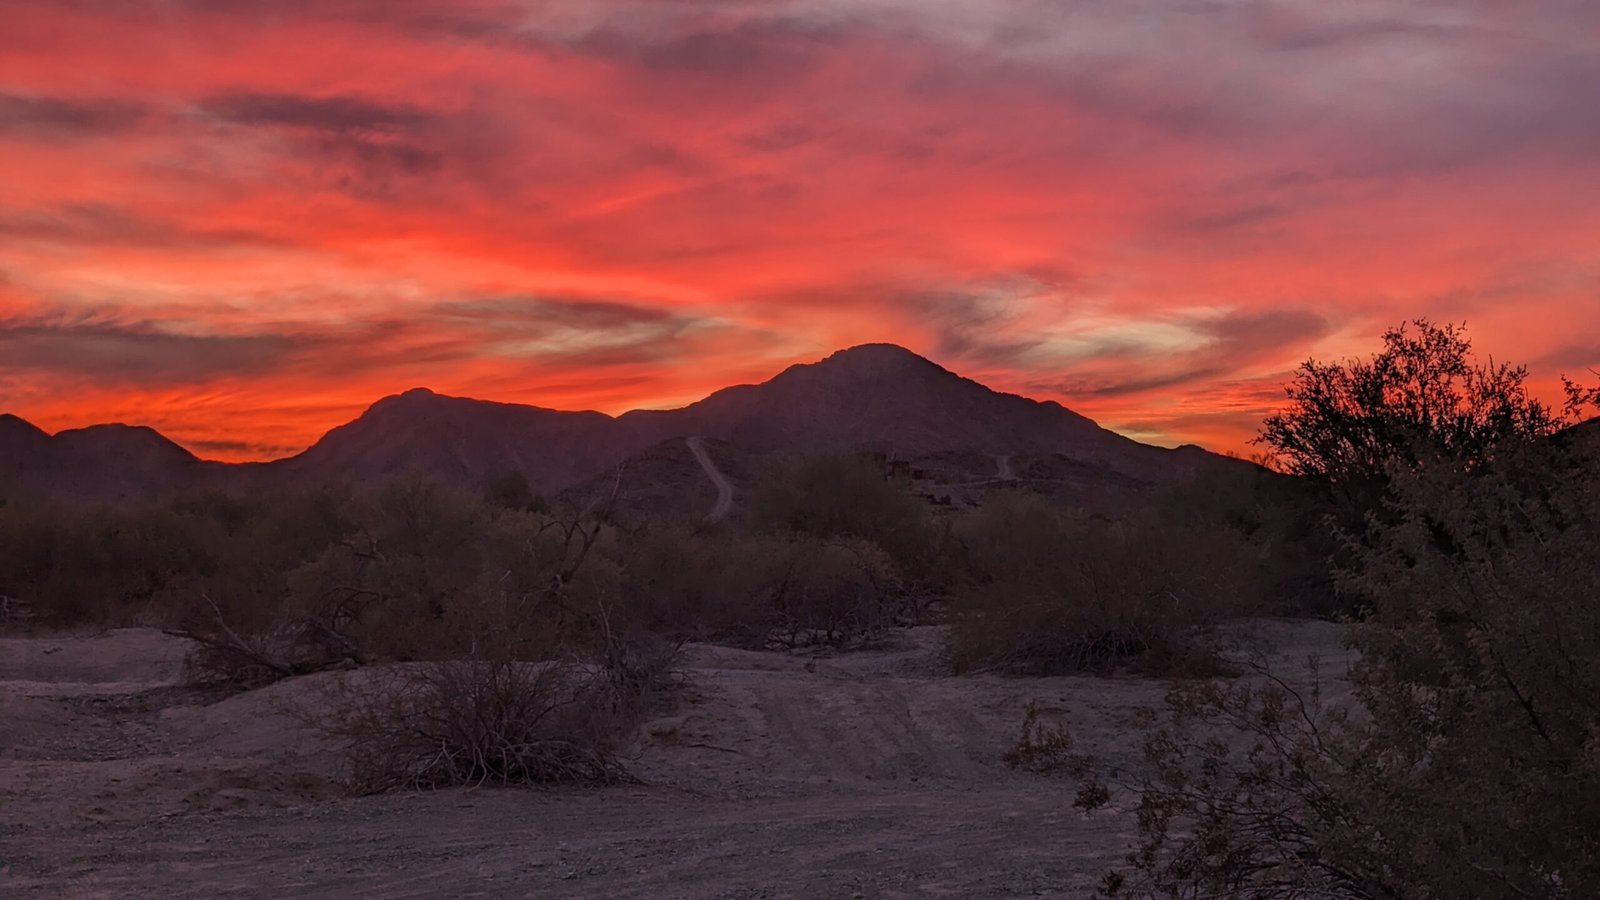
<point>1424,399</point>
<point>1465,761</point>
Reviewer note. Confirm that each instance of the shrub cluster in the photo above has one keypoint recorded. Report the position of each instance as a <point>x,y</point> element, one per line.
<point>120,565</point>
<point>1046,591</point>
<point>477,721</point>
<point>831,552</point>
<point>1466,761</point>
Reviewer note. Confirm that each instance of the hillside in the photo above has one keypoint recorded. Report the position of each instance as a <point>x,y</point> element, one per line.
<point>876,397</point>
<point>98,463</point>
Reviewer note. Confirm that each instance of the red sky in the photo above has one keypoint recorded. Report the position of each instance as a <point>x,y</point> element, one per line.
<point>242,221</point>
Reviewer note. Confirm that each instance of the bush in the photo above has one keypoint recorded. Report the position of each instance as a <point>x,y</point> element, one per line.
<point>222,655</point>
<point>850,497</point>
<point>101,565</point>
<point>523,708</point>
<point>1051,593</point>
<point>1240,800</point>
<point>1423,401</point>
<point>423,573</point>
<point>1269,530</point>
<point>696,584</point>
<point>1045,747</point>
<point>828,592</point>
<point>479,721</point>
<point>152,563</point>
<point>1469,761</point>
<point>759,590</point>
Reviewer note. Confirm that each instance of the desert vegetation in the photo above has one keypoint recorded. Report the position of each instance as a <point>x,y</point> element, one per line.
<point>831,553</point>
<point>1045,591</point>
<point>1461,762</point>
<point>500,637</point>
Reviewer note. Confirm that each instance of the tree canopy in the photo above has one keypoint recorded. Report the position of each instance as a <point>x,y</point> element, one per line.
<point>1424,397</point>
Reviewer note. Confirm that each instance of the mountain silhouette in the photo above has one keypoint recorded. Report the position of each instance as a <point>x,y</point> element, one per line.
<point>887,397</point>
<point>877,397</point>
<point>99,463</point>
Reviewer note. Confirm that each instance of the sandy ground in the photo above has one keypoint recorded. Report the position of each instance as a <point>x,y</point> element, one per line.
<point>869,774</point>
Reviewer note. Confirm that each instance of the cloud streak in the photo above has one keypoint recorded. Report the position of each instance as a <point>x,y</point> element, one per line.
<point>61,118</point>
<point>105,351</point>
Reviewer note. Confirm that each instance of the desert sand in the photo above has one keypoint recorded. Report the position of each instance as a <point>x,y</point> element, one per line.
<point>866,774</point>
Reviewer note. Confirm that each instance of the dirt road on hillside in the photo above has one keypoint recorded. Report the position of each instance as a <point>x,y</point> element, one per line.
<point>724,504</point>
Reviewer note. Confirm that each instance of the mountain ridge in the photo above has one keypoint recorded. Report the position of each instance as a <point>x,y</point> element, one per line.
<point>876,397</point>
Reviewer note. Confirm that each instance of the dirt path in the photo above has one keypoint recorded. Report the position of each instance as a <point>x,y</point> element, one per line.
<point>861,775</point>
<point>628,842</point>
<point>1003,465</point>
<point>724,504</point>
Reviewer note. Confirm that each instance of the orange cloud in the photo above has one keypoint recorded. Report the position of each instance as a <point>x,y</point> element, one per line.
<point>241,222</point>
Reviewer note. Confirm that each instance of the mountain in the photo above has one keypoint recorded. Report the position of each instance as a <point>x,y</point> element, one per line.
<point>887,398</point>
<point>876,397</point>
<point>461,441</point>
<point>99,463</point>
<point>24,449</point>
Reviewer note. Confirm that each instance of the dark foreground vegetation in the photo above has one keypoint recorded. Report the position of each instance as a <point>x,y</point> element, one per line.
<point>1467,761</point>
<point>829,552</point>
<point>497,637</point>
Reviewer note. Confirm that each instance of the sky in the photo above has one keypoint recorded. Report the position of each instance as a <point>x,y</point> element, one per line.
<point>243,221</point>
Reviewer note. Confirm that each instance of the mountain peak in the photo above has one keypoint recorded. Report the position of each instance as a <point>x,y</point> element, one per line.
<point>11,424</point>
<point>877,357</point>
<point>884,364</point>
<point>416,395</point>
<point>118,440</point>
<point>413,399</point>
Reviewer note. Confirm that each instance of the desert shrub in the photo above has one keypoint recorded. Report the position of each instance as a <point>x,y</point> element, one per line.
<point>282,648</point>
<point>527,671</point>
<point>1045,747</point>
<point>421,572</point>
<point>250,545</point>
<point>828,592</point>
<point>759,589</point>
<point>1481,672</point>
<point>1049,592</point>
<point>694,583</point>
<point>525,706</point>
<point>107,566</point>
<point>640,668</point>
<point>1423,397</point>
<point>511,490</point>
<point>1423,400</point>
<point>475,721</point>
<point>1271,528</point>
<point>14,612</point>
<point>1244,795</point>
<point>848,496</point>
<point>418,549</point>
<point>276,583</point>
<point>839,495</point>
<point>154,563</point>
<point>1467,762</point>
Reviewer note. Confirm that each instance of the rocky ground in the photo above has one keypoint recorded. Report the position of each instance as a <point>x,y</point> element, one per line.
<point>869,774</point>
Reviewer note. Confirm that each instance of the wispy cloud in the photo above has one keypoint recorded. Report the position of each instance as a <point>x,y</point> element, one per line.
<point>62,118</point>
<point>1144,209</point>
<point>106,351</point>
